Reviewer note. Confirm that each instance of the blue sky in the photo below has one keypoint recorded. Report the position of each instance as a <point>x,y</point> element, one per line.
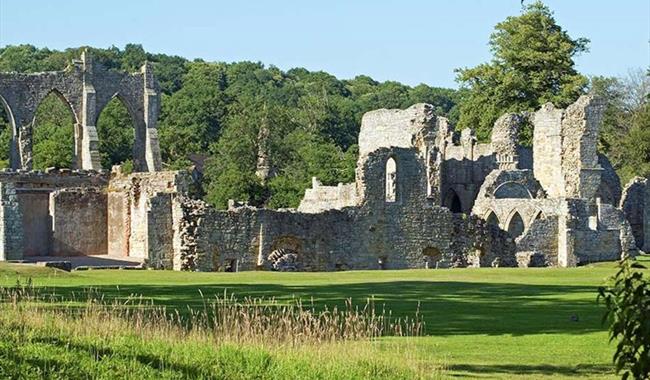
<point>407,41</point>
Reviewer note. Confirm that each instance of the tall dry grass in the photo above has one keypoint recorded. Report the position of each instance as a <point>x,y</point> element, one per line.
<point>222,319</point>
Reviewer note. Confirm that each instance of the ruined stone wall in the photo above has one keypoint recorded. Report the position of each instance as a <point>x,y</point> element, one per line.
<point>140,214</point>
<point>86,87</point>
<point>635,205</point>
<point>547,149</point>
<point>11,226</point>
<point>405,231</point>
<point>565,148</point>
<point>322,198</point>
<point>159,249</point>
<point>32,194</point>
<point>541,238</point>
<point>79,222</point>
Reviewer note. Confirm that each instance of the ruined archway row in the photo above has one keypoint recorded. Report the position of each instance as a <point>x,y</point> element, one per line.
<point>87,88</point>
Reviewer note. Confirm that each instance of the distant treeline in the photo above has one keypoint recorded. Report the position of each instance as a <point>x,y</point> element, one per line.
<point>307,123</point>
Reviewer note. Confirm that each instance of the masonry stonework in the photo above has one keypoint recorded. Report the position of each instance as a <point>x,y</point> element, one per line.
<point>424,196</point>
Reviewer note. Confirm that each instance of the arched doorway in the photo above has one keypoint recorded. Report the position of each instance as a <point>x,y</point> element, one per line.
<point>432,257</point>
<point>116,133</point>
<point>286,254</point>
<point>492,219</point>
<point>453,202</point>
<point>516,226</point>
<point>53,133</point>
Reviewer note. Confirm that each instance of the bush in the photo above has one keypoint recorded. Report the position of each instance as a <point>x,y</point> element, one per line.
<point>627,299</point>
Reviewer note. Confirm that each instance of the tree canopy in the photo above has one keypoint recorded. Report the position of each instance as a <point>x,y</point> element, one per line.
<point>532,64</point>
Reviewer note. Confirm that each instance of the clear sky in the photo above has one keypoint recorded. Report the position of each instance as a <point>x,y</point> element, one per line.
<point>407,41</point>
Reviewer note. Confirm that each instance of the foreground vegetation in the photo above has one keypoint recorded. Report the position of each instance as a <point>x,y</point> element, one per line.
<point>489,323</point>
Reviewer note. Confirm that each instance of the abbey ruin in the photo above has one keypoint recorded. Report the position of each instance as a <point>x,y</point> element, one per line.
<point>425,196</point>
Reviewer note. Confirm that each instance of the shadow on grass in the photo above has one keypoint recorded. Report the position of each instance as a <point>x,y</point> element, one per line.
<point>530,370</point>
<point>448,308</point>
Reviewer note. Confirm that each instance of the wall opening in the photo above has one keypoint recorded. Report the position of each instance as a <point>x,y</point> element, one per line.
<point>453,202</point>
<point>512,190</point>
<point>286,253</point>
<point>382,261</point>
<point>492,219</point>
<point>231,265</point>
<point>391,180</point>
<point>116,133</point>
<point>53,133</point>
<point>516,226</point>
<point>6,134</point>
<point>432,257</point>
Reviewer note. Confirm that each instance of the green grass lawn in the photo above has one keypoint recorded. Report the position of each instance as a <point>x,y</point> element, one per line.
<point>480,323</point>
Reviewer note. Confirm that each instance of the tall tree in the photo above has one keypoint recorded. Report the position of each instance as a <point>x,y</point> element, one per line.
<point>532,64</point>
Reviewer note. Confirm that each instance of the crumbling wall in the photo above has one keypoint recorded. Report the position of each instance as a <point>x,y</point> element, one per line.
<point>86,87</point>
<point>565,148</point>
<point>11,226</point>
<point>540,239</point>
<point>634,205</point>
<point>79,222</point>
<point>160,250</point>
<point>322,198</point>
<point>140,214</point>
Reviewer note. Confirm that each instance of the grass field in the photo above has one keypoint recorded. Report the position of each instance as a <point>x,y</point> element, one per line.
<point>480,323</point>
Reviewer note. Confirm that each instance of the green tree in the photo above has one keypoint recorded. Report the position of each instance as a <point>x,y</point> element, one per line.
<point>192,117</point>
<point>53,134</point>
<point>532,64</point>
<point>115,131</point>
<point>627,299</point>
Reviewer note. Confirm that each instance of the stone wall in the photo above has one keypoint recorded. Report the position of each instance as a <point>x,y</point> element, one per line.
<point>79,222</point>
<point>564,148</point>
<point>140,214</point>
<point>408,229</point>
<point>11,226</point>
<point>635,205</point>
<point>322,198</point>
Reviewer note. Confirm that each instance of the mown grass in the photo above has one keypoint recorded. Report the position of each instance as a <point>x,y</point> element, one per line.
<point>483,323</point>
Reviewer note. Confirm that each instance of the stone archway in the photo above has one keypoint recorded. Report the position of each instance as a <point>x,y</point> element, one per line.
<point>492,219</point>
<point>453,202</point>
<point>516,225</point>
<point>432,257</point>
<point>88,87</point>
<point>286,254</point>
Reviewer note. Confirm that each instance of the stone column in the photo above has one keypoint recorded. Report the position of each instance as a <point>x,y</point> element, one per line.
<point>25,144</point>
<point>151,108</point>
<point>566,240</point>
<point>90,159</point>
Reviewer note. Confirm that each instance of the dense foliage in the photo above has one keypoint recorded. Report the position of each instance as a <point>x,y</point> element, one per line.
<point>625,133</point>
<point>532,64</point>
<point>628,315</point>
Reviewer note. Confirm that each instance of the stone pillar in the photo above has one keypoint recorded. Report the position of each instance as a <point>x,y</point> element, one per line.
<point>11,224</point>
<point>566,240</point>
<point>151,108</point>
<point>547,149</point>
<point>25,144</point>
<point>90,159</point>
<point>160,231</point>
